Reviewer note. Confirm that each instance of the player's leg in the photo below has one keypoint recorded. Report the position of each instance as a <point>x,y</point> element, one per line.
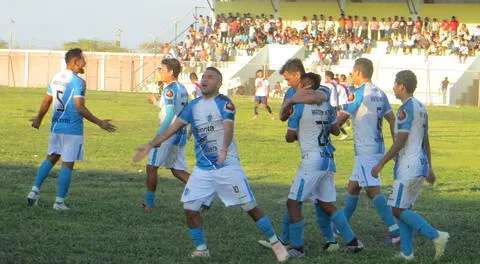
<point>42,174</point>
<point>63,184</point>
<point>353,197</point>
<point>158,157</point>
<point>255,107</point>
<point>296,228</point>
<point>151,185</point>
<point>267,107</point>
<point>182,175</point>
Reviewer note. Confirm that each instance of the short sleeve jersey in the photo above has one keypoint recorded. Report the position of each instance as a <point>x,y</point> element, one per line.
<point>368,105</point>
<point>64,87</point>
<point>261,86</point>
<point>174,95</point>
<point>206,117</point>
<point>412,118</point>
<point>313,124</point>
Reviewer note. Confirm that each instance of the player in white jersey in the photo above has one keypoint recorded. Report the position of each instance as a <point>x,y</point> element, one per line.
<point>67,92</point>
<point>343,93</point>
<point>412,167</point>
<point>217,169</point>
<point>368,106</point>
<point>197,92</point>
<point>331,84</point>
<point>262,91</point>
<point>311,125</point>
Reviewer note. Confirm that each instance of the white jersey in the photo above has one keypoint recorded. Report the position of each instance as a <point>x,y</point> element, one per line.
<point>313,124</point>
<point>412,159</point>
<point>333,93</point>
<point>343,93</point>
<point>206,117</point>
<point>174,95</point>
<point>368,105</point>
<point>261,86</point>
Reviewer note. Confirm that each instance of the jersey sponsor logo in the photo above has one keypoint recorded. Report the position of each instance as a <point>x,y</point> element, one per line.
<point>169,94</point>
<point>229,107</point>
<point>351,98</point>
<point>402,116</point>
<point>209,118</point>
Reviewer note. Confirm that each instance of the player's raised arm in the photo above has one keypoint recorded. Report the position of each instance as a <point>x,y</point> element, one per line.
<point>36,121</point>
<point>83,111</point>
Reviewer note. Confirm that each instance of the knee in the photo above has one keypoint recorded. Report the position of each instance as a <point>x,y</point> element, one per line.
<point>397,212</point>
<point>192,208</point>
<point>250,206</point>
<point>354,188</point>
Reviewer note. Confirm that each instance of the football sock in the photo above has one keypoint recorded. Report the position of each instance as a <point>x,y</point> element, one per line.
<point>63,181</point>
<point>42,173</point>
<point>417,223</point>
<point>266,227</point>
<point>385,213</point>
<point>323,221</point>
<point>341,223</point>
<point>296,234</point>
<point>269,110</point>
<point>150,199</point>
<point>255,110</point>
<point>406,238</point>
<point>198,237</point>
<point>350,205</point>
<point>285,237</point>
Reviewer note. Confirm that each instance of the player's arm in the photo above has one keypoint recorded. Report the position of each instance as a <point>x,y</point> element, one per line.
<point>342,117</point>
<point>44,106</point>
<point>79,103</point>
<point>291,136</point>
<point>143,150</point>
<point>285,110</point>
<point>308,97</point>
<point>399,143</point>
<point>431,177</point>
<point>390,117</point>
<point>335,129</point>
<point>169,115</point>
<point>227,140</point>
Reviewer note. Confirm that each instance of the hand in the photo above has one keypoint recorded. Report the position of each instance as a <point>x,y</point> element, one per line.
<point>152,99</point>
<point>222,155</point>
<point>431,178</point>
<point>376,170</point>
<point>36,122</point>
<point>142,151</point>
<point>105,125</point>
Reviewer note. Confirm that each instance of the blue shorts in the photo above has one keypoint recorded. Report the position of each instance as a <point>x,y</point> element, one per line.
<point>260,100</point>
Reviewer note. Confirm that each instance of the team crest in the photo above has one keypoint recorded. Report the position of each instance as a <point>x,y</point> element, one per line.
<point>209,118</point>
<point>229,107</point>
<point>402,115</point>
<point>351,98</point>
<point>169,94</point>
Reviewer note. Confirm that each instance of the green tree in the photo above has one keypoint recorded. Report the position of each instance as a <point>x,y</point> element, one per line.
<point>94,45</point>
<point>3,44</point>
<point>150,47</point>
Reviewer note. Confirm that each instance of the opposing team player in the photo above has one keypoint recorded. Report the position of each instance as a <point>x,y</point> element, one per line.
<point>217,170</point>
<point>262,91</point>
<point>67,92</point>
<point>412,167</point>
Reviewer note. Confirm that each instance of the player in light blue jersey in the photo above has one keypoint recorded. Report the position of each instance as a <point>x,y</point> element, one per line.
<point>291,71</point>
<point>217,169</point>
<point>412,167</point>
<point>311,125</point>
<point>67,92</point>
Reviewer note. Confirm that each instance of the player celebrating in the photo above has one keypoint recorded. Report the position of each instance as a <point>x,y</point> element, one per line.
<point>217,168</point>
<point>311,125</point>
<point>262,90</point>
<point>292,71</point>
<point>412,167</point>
<point>67,91</point>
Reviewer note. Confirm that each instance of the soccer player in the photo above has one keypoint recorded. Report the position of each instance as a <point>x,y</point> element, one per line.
<point>368,106</point>
<point>197,92</point>
<point>343,93</point>
<point>311,125</point>
<point>217,170</point>
<point>262,90</point>
<point>412,167</point>
<point>332,85</point>
<point>292,71</point>
<point>67,92</point>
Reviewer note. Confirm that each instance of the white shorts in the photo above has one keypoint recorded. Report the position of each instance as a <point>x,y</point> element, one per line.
<point>405,192</point>
<point>70,147</point>
<point>229,182</point>
<point>362,172</point>
<point>312,181</point>
<point>168,156</point>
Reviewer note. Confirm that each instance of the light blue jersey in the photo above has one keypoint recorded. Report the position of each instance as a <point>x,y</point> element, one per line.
<point>368,105</point>
<point>289,93</point>
<point>412,160</point>
<point>174,95</point>
<point>206,117</point>
<point>313,124</point>
<point>64,87</point>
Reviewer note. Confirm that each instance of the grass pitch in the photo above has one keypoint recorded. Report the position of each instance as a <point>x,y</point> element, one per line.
<point>105,224</point>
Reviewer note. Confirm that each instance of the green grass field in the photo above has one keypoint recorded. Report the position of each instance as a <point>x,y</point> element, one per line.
<point>106,225</point>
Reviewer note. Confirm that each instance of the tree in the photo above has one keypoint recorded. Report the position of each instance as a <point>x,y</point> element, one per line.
<point>150,47</point>
<point>94,45</point>
<point>3,44</point>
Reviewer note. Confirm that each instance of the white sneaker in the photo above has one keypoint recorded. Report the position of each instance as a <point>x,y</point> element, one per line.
<point>331,246</point>
<point>265,243</point>
<point>32,198</point>
<point>344,137</point>
<point>401,256</point>
<point>60,207</point>
<point>280,251</point>
<point>440,243</point>
<point>200,254</point>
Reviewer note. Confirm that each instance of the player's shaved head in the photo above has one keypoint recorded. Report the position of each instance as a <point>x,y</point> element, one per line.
<point>313,78</point>
<point>216,71</point>
<point>408,79</point>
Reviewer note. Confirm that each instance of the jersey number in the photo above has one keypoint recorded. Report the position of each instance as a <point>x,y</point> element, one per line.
<point>60,109</point>
<point>323,137</point>
<point>379,119</point>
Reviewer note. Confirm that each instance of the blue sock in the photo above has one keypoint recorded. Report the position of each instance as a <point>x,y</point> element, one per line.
<point>342,225</point>
<point>285,237</point>
<point>42,173</point>
<point>323,221</point>
<point>266,227</point>
<point>197,235</point>
<point>63,182</point>
<point>417,223</point>
<point>385,213</point>
<point>350,205</point>
<point>296,234</point>
<point>406,238</point>
<point>149,199</point>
